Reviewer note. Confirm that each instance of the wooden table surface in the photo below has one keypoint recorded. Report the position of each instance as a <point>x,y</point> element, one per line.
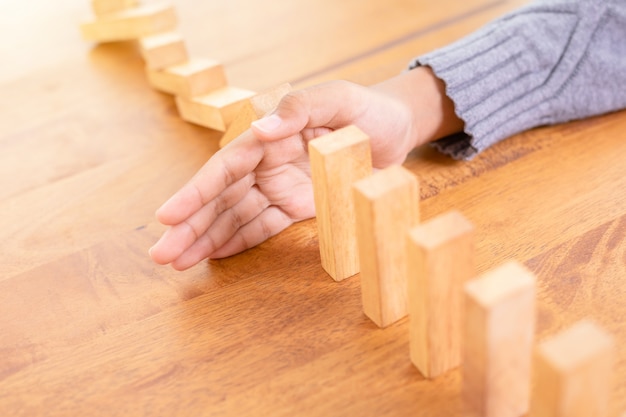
<point>90,326</point>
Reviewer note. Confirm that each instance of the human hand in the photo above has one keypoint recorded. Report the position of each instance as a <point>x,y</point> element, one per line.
<point>260,183</point>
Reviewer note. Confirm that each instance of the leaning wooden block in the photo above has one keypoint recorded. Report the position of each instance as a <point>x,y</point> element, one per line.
<point>193,78</point>
<point>103,7</point>
<point>440,254</point>
<point>497,341</point>
<point>386,206</point>
<point>338,159</point>
<point>215,110</point>
<point>572,373</point>
<point>253,109</point>
<point>163,50</point>
<point>131,24</point>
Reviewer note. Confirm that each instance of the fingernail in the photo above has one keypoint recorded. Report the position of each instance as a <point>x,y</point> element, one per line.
<point>268,124</point>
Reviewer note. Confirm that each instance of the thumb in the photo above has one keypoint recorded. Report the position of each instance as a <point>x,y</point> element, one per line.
<point>322,107</point>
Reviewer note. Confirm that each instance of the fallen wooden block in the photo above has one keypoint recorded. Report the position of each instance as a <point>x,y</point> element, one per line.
<point>103,7</point>
<point>497,341</point>
<point>572,373</point>
<point>338,159</point>
<point>191,79</point>
<point>386,206</point>
<point>131,24</point>
<point>163,50</point>
<point>253,109</point>
<point>215,110</point>
<point>440,255</point>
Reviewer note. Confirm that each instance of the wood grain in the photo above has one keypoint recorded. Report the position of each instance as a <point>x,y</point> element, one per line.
<point>90,326</point>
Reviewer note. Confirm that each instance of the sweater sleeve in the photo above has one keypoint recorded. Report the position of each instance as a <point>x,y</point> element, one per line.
<point>546,63</point>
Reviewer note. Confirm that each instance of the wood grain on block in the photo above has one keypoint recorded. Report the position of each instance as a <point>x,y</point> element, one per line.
<point>498,340</point>
<point>131,24</point>
<point>338,159</point>
<point>191,79</point>
<point>163,50</point>
<point>386,206</point>
<point>440,255</point>
<point>215,110</point>
<point>573,373</point>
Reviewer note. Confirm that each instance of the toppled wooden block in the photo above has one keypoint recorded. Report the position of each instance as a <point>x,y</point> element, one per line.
<point>163,50</point>
<point>215,110</point>
<point>253,109</point>
<point>498,340</point>
<point>191,79</point>
<point>440,255</point>
<point>572,373</point>
<point>104,7</point>
<point>131,24</point>
<point>338,159</point>
<point>386,207</point>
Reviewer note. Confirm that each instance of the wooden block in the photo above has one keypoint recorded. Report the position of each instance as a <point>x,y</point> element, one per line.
<point>386,206</point>
<point>440,255</point>
<point>572,373</point>
<point>104,7</point>
<point>131,24</point>
<point>338,159</point>
<point>215,110</point>
<point>497,341</point>
<point>191,79</point>
<point>163,50</point>
<point>253,109</point>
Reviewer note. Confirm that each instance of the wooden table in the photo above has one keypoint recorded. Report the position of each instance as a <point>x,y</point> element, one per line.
<point>90,326</point>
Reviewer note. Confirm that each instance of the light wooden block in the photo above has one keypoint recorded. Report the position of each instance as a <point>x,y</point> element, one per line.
<point>191,79</point>
<point>440,255</point>
<point>131,24</point>
<point>163,50</point>
<point>573,372</point>
<point>338,159</point>
<point>104,7</point>
<point>215,110</point>
<point>498,340</point>
<point>253,109</point>
<point>386,206</point>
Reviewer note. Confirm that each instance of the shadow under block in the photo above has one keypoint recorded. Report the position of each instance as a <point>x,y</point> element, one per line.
<point>386,206</point>
<point>191,79</point>
<point>440,254</point>
<point>215,110</point>
<point>103,7</point>
<point>338,159</point>
<point>572,373</point>
<point>254,109</point>
<point>498,341</point>
<point>131,24</point>
<point>163,50</point>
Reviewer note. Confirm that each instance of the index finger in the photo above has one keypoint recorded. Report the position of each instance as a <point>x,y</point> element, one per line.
<point>227,166</point>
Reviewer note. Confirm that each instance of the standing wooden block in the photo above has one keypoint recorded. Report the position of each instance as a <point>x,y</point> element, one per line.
<point>338,159</point>
<point>572,373</point>
<point>103,7</point>
<point>191,79</point>
<point>440,256</point>
<point>253,109</point>
<point>163,50</point>
<point>498,339</point>
<point>386,206</point>
<point>215,110</point>
<point>131,24</point>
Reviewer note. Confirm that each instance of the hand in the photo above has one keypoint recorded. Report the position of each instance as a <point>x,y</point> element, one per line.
<point>260,183</point>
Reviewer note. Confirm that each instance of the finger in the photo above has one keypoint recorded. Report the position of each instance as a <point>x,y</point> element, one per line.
<point>226,167</point>
<point>329,105</point>
<point>269,223</point>
<point>225,226</point>
<point>180,237</point>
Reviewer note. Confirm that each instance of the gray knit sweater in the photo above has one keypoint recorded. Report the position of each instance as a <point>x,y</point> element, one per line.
<point>548,62</point>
